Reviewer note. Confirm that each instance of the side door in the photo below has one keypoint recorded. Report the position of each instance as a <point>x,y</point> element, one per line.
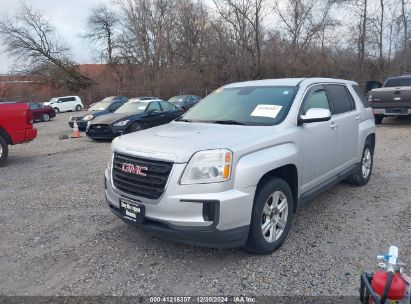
<point>319,141</point>
<point>64,104</point>
<point>347,119</point>
<point>154,115</point>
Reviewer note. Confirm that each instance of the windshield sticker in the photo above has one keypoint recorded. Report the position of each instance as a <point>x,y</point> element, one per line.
<point>218,90</point>
<point>285,93</point>
<point>264,110</point>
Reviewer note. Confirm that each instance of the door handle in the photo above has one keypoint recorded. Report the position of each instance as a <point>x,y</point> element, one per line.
<point>333,125</point>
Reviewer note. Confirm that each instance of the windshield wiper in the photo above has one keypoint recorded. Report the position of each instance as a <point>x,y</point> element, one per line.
<point>230,122</point>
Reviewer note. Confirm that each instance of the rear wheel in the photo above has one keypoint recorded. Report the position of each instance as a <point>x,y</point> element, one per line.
<point>78,108</point>
<point>45,117</point>
<point>135,127</point>
<point>378,119</point>
<point>56,110</point>
<point>363,174</point>
<point>271,216</point>
<point>4,150</point>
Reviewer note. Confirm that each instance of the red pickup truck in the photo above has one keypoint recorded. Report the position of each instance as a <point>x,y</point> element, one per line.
<point>16,127</point>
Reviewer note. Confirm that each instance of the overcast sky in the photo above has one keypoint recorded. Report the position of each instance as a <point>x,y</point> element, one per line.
<point>69,17</point>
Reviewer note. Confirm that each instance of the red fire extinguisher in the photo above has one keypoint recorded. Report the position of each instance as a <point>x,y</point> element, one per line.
<point>388,285</point>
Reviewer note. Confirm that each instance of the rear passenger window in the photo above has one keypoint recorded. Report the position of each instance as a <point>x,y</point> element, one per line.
<point>341,100</point>
<point>361,95</point>
<point>67,99</point>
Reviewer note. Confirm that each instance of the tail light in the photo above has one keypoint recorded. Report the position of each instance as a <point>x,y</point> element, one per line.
<point>370,97</point>
<point>29,117</point>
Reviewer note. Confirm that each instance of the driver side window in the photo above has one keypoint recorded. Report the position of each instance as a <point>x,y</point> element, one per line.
<point>316,99</point>
<point>154,106</point>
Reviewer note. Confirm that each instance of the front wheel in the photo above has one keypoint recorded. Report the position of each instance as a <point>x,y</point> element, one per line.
<point>56,110</point>
<point>135,127</point>
<point>45,117</point>
<point>363,174</point>
<point>4,150</point>
<point>271,216</point>
<point>78,108</point>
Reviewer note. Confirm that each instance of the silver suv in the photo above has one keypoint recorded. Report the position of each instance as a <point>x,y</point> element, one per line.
<point>234,169</point>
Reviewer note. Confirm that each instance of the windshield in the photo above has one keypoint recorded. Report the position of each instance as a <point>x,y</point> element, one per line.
<point>53,100</point>
<point>100,106</point>
<point>133,107</point>
<point>177,99</point>
<point>245,105</point>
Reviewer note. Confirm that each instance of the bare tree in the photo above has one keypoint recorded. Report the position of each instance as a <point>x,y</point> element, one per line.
<point>33,42</point>
<point>404,19</point>
<point>304,23</point>
<point>101,25</point>
<point>245,18</point>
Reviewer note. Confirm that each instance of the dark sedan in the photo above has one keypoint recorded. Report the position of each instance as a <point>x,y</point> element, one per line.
<point>133,116</point>
<point>106,106</point>
<point>41,112</point>
<point>185,102</point>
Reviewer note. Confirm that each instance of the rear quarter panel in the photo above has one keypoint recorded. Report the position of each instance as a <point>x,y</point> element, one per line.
<point>13,121</point>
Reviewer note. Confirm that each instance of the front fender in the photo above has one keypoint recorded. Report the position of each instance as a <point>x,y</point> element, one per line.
<point>251,167</point>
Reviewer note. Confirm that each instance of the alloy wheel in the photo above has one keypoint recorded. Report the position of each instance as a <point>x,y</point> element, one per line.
<point>274,217</point>
<point>366,163</point>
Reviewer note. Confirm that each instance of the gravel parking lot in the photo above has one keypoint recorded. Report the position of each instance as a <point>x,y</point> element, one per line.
<point>59,238</point>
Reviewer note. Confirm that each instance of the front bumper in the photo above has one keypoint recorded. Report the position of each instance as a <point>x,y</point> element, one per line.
<point>180,213</point>
<point>107,132</point>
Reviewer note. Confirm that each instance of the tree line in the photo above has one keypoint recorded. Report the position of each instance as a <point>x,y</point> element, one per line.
<point>167,44</point>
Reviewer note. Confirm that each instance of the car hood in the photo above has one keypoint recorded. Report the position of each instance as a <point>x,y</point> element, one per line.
<point>178,141</point>
<point>109,118</point>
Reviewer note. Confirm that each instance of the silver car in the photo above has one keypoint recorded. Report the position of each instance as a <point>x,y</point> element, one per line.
<point>234,169</point>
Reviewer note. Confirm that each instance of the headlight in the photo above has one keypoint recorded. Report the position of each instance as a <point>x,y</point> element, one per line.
<point>121,123</point>
<point>211,166</point>
<point>88,117</point>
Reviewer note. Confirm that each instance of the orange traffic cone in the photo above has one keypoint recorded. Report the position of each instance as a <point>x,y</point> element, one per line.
<point>76,132</point>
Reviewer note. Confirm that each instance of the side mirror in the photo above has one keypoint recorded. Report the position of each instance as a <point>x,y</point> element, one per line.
<point>151,112</point>
<point>315,115</point>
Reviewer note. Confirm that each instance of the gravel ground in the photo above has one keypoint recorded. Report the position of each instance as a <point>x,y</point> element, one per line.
<point>59,238</point>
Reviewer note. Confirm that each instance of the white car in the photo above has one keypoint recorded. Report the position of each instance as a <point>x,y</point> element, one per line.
<point>65,103</point>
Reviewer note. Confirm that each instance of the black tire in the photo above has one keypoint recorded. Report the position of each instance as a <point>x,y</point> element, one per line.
<point>256,239</point>
<point>359,178</point>
<point>78,108</point>
<point>45,117</point>
<point>56,110</point>
<point>135,127</point>
<point>378,119</point>
<point>4,151</point>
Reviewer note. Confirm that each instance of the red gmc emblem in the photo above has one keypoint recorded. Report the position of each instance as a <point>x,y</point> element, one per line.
<point>137,170</point>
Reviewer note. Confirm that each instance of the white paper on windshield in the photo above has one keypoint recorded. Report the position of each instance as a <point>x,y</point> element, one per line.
<point>264,110</point>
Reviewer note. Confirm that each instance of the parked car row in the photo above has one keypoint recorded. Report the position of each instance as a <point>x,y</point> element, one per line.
<point>117,115</point>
